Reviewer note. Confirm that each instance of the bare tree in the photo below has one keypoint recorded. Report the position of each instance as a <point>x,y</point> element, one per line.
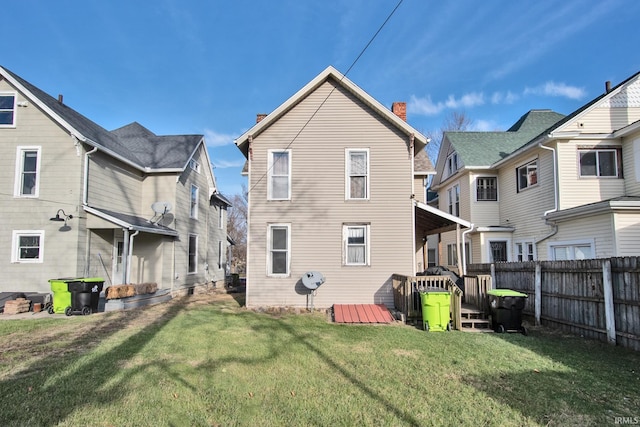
<point>454,121</point>
<point>237,230</point>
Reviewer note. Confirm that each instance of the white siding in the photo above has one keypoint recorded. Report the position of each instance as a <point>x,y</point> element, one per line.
<point>318,209</point>
<point>627,233</point>
<point>597,227</point>
<point>631,164</point>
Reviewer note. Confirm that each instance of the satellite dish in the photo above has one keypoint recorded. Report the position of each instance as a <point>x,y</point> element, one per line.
<point>312,280</point>
<point>161,208</point>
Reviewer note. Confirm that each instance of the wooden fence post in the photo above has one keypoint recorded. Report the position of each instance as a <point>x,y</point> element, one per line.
<point>538,293</point>
<point>609,313</point>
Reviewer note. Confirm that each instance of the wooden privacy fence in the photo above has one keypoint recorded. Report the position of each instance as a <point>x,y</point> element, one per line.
<point>598,298</point>
<point>406,296</point>
<point>475,291</point>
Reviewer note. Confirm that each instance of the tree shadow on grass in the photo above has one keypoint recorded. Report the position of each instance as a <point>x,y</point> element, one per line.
<point>572,381</point>
<point>54,386</point>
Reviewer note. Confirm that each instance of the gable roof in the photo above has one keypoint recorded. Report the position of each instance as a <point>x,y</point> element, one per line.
<point>132,144</point>
<point>329,73</point>
<point>482,149</point>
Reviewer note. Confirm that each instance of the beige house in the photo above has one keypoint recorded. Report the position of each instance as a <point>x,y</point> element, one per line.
<point>132,206</point>
<point>336,186</point>
<point>552,187</point>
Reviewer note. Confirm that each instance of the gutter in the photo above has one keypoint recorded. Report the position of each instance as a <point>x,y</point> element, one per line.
<point>464,252</point>
<point>85,184</point>
<point>130,257</point>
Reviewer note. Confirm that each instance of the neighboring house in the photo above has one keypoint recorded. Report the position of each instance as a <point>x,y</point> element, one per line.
<point>549,188</point>
<point>336,186</point>
<point>137,207</point>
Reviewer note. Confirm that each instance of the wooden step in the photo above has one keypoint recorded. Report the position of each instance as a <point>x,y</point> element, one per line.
<point>476,324</point>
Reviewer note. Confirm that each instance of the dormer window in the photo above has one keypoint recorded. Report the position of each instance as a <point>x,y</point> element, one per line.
<point>7,110</point>
<point>452,163</point>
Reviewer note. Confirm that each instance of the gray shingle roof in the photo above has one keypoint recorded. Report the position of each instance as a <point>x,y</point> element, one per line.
<point>132,142</point>
<point>486,148</point>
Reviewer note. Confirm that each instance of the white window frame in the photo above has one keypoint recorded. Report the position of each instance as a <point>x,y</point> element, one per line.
<point>195,254</point>
<point>597,152</point>
<point>347,172</point>
<point>452,254</point>
<point>452,163</point>
<point>13,109</point>
<point>20,151</point>
<point>220,217</point>
<point>531,170</point>
<point>271,250</point>
<point>507,243</point>
<point>272,175</point>
<point>194,165</point>
<point>15,247</point>
<point>367,244</point>
<point>485,188</point>
<point>194,202</point>
<point>453,194</point>
<point>522,251</point>
<point>571,245</point>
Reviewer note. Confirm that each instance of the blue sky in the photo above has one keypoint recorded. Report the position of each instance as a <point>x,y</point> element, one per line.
<point>207,67</point>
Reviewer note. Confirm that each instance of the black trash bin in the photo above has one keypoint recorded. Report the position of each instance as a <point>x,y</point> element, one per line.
<point>85,295</point>
<point>506,310</point>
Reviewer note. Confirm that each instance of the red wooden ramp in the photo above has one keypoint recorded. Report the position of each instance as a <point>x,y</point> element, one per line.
<point>361,313</point>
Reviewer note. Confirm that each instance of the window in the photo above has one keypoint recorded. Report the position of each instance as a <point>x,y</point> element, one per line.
<point>487,188</point>
<point>452,163</point>
<point>279,249</point>
<point>561,251</point>
<point>454,200</point>
<point>598,162</point>
<point>279,185</point>
<point>357,170</point>
<point>452,254</point>
<point>527,175</point>
<point>27,172</point>
<point>194,202</point>
<point>524,251</point>
<point>7,110</point>
<point>356,244</point>
<point>220,254</point>
<point>27,246</point>
<point>193,254</point>
<point>195,165</point>
<point>498,250</point>
<point>220,217</point>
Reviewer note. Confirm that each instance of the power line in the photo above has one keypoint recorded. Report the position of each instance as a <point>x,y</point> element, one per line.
<point>331,92</point>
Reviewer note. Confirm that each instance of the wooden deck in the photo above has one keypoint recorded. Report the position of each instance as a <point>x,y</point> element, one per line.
<point>361,313</point>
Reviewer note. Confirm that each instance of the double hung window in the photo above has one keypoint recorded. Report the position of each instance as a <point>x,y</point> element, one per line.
<point>27,246</point>
<point>279,243</point>
<point>527,175</point>
<point>195,191</point>
<point>357,171</point>
<point>193,254</point>
<point>356,244</point>
<point>27,178</point>
<point>7,110</point>
<point>279,184</point>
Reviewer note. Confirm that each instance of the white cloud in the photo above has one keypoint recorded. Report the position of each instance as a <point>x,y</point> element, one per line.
<point>483,126</point>
<point>224,164</point>
<point>556,89</point>
<point>426,107</point>
<point>216,139</point>
<point>504,98</point>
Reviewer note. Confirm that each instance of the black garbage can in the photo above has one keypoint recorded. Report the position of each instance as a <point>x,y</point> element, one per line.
<point>85,295</point>
<point>506,310</point>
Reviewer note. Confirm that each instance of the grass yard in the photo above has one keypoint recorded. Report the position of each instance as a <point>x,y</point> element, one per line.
<point>206,361</point>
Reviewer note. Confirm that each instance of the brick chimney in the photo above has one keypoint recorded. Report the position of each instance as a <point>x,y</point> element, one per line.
<point>259,117</point>
<point>400,110</point>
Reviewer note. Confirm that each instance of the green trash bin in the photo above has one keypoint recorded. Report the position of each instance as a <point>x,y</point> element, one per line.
<point>435,309</point>
<point>506,310</point>
<point>61,295</point>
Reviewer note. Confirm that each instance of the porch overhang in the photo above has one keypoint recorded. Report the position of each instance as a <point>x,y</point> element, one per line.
<point>131,222</point>
<point>433,221</point>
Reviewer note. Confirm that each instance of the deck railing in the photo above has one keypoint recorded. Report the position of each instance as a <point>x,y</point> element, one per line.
<point>475,290</point>
<point>406,296</point>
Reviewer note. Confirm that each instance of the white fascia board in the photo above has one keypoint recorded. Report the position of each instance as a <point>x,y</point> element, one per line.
<point>442,214</point>
<point>126,225</point>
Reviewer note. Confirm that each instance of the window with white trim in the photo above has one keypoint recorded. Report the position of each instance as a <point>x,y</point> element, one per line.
<point>193,254</point>
<point>525,251</point>
<point>220,217</point>
<point>452,164</point>
<point>279,244</point>
<point>357,174</point>
<point>527,175</point>
<point>193,212</point>
<point>452,254</point>
<point>27,180</point>
<point>560,251</point>
<point>486,188</point>
<point>27,246</point>
<point>7,109</point>
<point>598,162</point>
<point>356,244</point>
<point>498,251</point>
<point>194,165</point>
<point>453,195</point>
<point>220,254</point>
<point>279,172</point>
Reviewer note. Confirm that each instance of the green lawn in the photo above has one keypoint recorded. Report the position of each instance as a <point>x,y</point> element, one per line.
<point>207,361</point>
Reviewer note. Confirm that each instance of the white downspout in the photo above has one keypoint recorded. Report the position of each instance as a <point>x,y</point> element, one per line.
<point>464,252</point>
<point>85,183</point>
<point>130,256</point>
<point>413,204</point>
<point>125,256</point>
<point>555,196</point>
